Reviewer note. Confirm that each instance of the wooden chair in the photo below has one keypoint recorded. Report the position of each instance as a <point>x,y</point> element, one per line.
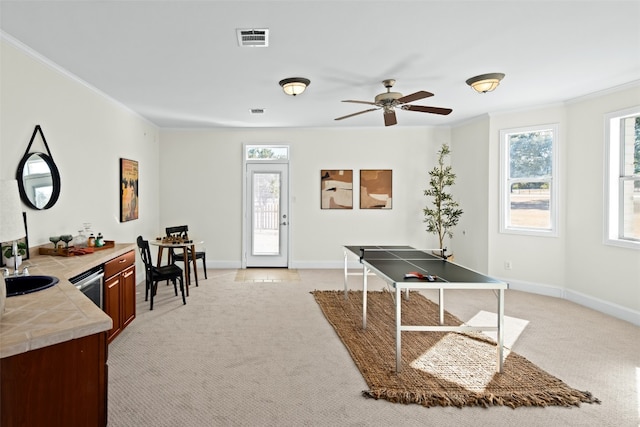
<point>158,274</point>
<point>183,231</point>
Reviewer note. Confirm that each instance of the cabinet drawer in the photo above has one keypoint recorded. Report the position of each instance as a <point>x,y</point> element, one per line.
<point>116,265</point>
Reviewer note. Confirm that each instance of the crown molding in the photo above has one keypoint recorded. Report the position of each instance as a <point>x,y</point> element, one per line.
<point>66,73</point>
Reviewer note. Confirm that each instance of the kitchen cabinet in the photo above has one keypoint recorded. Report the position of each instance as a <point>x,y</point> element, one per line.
<point>54,350</point>
<point>120,292</point>
<point>63,384</point>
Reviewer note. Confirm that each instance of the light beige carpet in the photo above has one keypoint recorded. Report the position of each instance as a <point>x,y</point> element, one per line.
<point>263,354</point>
<point>267,275</point>
<point>439,368</point>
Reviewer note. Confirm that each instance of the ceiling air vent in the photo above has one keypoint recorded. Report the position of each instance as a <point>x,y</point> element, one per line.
<point>253,37</point>
<point>257,111</point>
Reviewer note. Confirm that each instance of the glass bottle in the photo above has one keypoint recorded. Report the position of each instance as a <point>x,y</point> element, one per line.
<point>99,240</point>
<point>80,241</point>
<point>91,242</point>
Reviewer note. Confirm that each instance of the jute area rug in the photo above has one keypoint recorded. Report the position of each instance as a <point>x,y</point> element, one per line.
<point>438,368</point>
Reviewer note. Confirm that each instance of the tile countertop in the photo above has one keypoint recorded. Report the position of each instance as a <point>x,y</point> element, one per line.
<point>60,313</point>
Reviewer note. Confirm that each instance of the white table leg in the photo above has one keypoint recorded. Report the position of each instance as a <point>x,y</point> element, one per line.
<point>345,274</point>
<point>398,331</point>
<point>441,304</point>
<point>364,296</point>
<point>500,330</point>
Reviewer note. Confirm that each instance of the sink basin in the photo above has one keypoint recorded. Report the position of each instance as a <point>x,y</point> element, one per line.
<point>21,285</point>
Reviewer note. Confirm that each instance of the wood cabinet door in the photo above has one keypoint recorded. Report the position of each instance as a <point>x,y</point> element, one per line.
<point>63,384</point>
<point>112,290</point>
<point>120,292</point>
<point>128,295</point>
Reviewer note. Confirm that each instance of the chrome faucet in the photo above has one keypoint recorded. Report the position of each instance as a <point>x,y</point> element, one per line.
<point>7,273</point>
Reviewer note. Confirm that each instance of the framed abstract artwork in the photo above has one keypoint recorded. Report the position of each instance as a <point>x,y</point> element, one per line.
<point>128,190</point>
<point>375,189</point>
<point>336,189</point>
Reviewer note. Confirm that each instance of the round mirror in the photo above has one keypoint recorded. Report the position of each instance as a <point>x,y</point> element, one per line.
<point>38,180</point>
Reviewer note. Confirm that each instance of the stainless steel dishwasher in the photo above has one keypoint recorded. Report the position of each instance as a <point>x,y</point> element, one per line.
<point>91,284</point>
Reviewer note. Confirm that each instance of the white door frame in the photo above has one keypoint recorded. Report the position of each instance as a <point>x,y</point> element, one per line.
<point>250,167</point>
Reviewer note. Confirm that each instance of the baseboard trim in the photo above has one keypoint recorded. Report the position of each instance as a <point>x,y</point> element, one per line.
<point>223,264</point>
<point>535,288</point>
<point>606,307</point>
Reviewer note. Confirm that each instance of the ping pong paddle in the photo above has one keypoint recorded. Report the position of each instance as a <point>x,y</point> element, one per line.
<point>416,275</point>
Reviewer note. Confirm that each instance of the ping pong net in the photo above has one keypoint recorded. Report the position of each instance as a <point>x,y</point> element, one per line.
<point>402,253</point>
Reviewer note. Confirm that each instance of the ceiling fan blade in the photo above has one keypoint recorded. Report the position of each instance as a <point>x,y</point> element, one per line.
<point>390,118</point>
<point>360,102</point>
<point>355,114</point>
<point>424,109</point>
<point>414,97</point>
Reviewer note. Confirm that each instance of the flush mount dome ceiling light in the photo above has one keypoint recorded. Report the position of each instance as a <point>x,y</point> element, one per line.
<point>294,85</point>
<point>485,82</point>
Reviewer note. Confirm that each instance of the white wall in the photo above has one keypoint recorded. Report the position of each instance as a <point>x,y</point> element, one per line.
<point>87,134</point>
<point>594,269</point>
<point>211,175</point>
<point>576,264</point>
<point>470,163</point>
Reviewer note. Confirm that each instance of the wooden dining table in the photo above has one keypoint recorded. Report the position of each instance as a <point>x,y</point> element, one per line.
<point>186,245</point>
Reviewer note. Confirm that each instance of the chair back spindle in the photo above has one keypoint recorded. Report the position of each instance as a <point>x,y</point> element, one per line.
<point>181,231</point>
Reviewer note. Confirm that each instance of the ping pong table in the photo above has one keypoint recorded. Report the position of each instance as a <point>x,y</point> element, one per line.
<point>392,263</point>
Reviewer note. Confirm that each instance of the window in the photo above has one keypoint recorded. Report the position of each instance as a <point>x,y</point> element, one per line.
<point>528,180</point>
<point>622,206</point>
<point>266,152</point>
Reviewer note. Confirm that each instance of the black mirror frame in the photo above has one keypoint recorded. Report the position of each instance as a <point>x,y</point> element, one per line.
<point>55,177</point>
<point>55,174</point>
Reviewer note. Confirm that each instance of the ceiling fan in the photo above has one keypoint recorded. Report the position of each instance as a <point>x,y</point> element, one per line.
<point>388,101</point>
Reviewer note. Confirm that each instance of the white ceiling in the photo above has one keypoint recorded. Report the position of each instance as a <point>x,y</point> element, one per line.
<point>178,63</point>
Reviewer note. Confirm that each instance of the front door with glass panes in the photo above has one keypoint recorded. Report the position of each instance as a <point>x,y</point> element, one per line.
<point>266,215</point>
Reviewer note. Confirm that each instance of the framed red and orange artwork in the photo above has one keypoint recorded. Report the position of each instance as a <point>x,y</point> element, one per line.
<point>128,190</point>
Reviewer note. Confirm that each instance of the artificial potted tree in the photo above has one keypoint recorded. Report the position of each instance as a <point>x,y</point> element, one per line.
<point>443,213</point>
<point>7,253</point>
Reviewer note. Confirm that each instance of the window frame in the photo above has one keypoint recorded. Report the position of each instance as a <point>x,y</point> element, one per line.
<point>506,181</point>
<point>613,179</point>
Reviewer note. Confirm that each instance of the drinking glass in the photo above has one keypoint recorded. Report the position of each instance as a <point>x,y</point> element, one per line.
<point>54,240</point>
<point>66,238</point>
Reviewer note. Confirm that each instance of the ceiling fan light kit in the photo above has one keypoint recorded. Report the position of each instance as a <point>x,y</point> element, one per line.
<point>486,82</point>
<point>389,101</point>
<point>294,85</point>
